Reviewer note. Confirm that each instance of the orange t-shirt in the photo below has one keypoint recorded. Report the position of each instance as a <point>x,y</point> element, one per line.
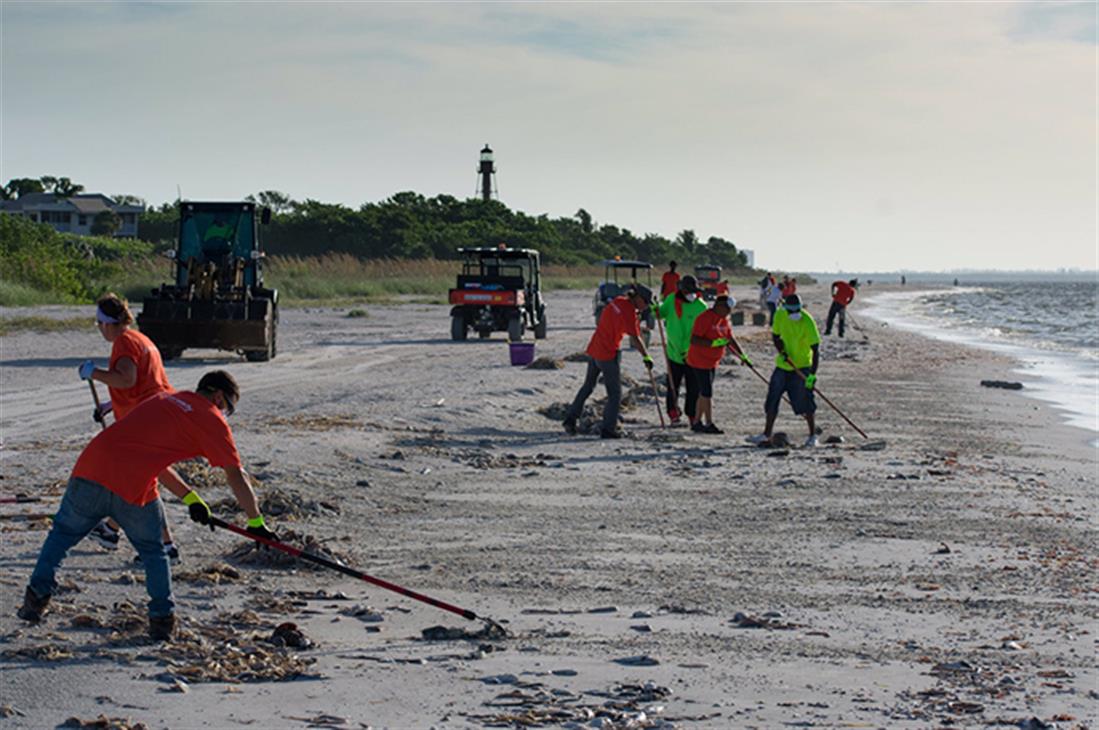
<point>619,318</point>
<point>151,378</point>
<point>711,326</point>
<point>168,427</point>
<point>844,292</point>
<point>668,283</point>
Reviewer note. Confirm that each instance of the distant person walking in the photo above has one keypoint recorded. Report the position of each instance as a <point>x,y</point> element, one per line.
<point>134,374</point>
<point>618,320</point>
<point>764,285</point>
<point>843,292</point>
<point>669,283</point>
<point>710,337</point>
<point>797,340</point>
<point>679,312</point>
<point>774,298</point>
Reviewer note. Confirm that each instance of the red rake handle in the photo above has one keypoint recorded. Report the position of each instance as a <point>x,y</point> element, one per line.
<point>299,553</point>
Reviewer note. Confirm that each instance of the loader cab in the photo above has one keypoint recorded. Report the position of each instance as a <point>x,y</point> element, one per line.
<point>220,234</point>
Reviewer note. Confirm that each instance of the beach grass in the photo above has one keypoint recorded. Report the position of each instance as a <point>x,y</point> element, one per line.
<point>38,323</point>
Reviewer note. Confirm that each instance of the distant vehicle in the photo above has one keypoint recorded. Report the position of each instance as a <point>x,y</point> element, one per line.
<point>499,290</point>
<point>217,299</point>
<point>709,280</point>
<point>618,275</point>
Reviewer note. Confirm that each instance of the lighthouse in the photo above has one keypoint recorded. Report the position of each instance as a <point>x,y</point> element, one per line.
<point>486,175</point>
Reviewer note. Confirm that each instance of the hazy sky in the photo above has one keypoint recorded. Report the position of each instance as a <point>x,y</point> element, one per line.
<point>821,135</point>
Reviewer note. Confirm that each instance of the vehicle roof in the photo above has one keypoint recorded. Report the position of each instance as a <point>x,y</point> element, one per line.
<point>615,263</point>
<point>708,267</point>
<point>222,204</point>
<point>515,253</point>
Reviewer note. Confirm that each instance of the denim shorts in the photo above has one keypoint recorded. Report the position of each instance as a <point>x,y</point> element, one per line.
<point>790,383</point>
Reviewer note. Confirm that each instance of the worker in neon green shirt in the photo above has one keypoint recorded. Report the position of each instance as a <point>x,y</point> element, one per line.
<point>795,335</point>
<point>679,311</point>
<point>217,240</point>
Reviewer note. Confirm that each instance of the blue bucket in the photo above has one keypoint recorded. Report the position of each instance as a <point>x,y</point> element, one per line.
<point>522,353</point>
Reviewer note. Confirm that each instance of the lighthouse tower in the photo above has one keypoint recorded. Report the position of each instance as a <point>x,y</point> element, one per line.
<point>486,175</point>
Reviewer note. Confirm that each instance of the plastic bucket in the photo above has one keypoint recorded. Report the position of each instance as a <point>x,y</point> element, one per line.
<point>522,353</point>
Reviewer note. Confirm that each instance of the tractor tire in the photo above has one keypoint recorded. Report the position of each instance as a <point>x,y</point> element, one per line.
<point>170,353</point>
<point>267,353</point>
<point>457,328</point>
<point>484,334</point>
<point>540,329</point>
<point>515,329</point>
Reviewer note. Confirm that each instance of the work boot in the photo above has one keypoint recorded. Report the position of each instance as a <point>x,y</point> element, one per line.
<point>33,606</point>
<point>570,426</point>
<point>161,627</point>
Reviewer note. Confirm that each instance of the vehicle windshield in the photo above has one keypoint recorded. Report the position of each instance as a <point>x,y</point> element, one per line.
<point>707,274</point>
<point>497,266</point>
<point>209,235</point>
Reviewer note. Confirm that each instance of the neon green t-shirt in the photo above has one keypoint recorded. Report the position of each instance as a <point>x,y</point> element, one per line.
<point>798,336</point>
<point>679,327</point>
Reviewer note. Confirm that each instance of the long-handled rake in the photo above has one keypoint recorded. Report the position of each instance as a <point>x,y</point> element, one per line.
<point>829,402</point>
<point>339,567</point>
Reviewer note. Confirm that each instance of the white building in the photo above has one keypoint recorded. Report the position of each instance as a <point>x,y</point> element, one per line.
<point>74,214</point>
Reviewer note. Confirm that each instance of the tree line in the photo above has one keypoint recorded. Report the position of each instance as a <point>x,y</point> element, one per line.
<point>409,225</point>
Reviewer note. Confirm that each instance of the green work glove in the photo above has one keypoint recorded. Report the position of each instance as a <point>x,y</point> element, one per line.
<point>648,360</point>
<point>719,342</point>
<point>744,359</point>
<point>257,527</point>
<point>200,511</point>
<point>811,380</point>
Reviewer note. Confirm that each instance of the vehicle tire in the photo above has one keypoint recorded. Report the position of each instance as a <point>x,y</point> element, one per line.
<point>170,353</point>
<point>484,334</point>
<point>540,329</point>
<point>515,329</point>
<point>457,328</point>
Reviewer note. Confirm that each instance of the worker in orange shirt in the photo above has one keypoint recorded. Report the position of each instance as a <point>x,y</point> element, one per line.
<point>711,336</point>
<point>843,293</point>
<point>116,476</point>
<point>134,373</point>
<point>618,320</point>
<point>669,283</point>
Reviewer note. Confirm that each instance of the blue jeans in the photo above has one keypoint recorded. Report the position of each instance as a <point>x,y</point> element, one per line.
<point>612,379</point>
<point>86,503</point>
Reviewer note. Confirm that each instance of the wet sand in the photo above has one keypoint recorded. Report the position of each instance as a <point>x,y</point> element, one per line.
<point>948,578</point>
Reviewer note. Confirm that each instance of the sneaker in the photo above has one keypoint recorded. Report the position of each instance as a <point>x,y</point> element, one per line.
<point>105,536</point>
<point>570,426</point>
<point>673,416</point>
<point>697,427</point>
<point>162,627</point>
<point>611,434</point>
<point>811,442</point>
<point>760,439</point>
<point>711,428</point>
<point>33,606</point>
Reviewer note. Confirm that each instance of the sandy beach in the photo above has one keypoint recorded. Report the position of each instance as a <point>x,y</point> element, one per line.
<point>944,577</point>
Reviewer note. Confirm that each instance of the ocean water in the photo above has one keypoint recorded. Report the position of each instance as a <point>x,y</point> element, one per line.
<point>1051,328</point>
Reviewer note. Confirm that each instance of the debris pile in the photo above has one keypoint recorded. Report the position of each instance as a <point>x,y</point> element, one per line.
<point>253,554</point>
<point>546,363</point>
<point>490,631</point>
<point>576,357</point>
<point>532,704</point>
<point>591,419</point>
<point>484,460</point>
<point>279,503</point>
<point>105,723</point>
<point>301,422</point>
<point>215,574</point>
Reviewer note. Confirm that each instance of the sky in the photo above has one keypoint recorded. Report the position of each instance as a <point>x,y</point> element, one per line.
<point>823,136</point>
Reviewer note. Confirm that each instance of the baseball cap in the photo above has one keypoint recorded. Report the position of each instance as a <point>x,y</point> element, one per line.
<point>688,285</point>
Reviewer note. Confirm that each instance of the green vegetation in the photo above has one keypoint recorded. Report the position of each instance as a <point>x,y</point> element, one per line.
<point>401,249</point>
<point>37,323</point>
<point>411,226</point>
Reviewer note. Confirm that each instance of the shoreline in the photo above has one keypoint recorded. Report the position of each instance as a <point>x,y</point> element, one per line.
<point>1047,375</point>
